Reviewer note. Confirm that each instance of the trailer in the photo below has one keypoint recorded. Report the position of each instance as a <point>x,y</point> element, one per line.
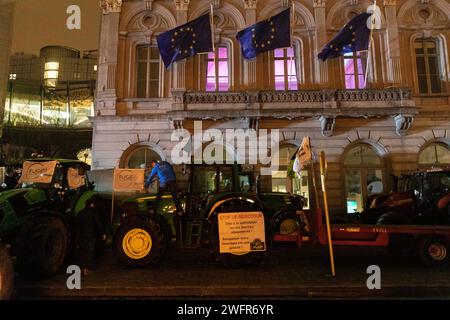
<point>431,243</point>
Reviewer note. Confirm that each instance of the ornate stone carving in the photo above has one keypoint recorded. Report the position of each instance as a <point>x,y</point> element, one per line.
<point>389,2</point>
<point>216,4</point>
<point>354,2</point>
<point>148,4</point>
<point>253,123</point>
<point>403,123</point>
<point>285,3</point>
<point>109,6</point>
<point>182,5</point>
<point>327,125</point>
<point>177,124</point>
<point>319,3</point>
<point>250,4</point>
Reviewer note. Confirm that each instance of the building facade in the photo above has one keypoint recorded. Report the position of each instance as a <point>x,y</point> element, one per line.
<point>399,121</point>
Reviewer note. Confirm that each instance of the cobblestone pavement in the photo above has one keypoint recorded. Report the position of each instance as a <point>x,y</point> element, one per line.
<point>287,273</point>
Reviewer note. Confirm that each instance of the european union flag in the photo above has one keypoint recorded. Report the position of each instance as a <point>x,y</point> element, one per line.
<point>186,40</point>
<point>266,35</point>
<point>355,36</point>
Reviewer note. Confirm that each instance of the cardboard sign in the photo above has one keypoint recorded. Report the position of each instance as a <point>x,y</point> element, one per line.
<point>128,179</point>
<point>241,233</point>
<point>304,155</point>
<point>74,179</point>
<point>37,172</point>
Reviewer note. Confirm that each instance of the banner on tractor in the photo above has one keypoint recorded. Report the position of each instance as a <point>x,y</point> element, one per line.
<point>75,179</point>
<point>37,172</point>
<point>241,232</point>
<point>128,179</point>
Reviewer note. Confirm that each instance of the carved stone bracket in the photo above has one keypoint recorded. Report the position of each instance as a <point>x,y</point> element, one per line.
<point>177,124</point>
<point>403,123</point>
<point>253,123</point>
<point>110,6</point>
<point>327,125</point>
<point>390,2</point>
<point>148,4</point>
<point>319,3</point>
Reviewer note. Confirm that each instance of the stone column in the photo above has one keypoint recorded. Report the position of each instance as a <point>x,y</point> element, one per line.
<point>179,67</point>
<point>6,30</point>
<point>393,42</point>
<point>109,42</point>
<point>321,69</point>
<point>249,72</point>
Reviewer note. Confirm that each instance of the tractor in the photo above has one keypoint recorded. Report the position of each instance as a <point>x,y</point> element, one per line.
<point>415,201</point>
<point>214,194</point>
<point>37,218</point>
<point>6,273</point>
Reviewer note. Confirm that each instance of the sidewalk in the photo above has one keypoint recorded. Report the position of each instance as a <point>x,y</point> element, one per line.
<point>286,273</point>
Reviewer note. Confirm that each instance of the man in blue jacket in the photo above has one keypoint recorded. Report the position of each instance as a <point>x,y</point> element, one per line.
<point>167,182</point>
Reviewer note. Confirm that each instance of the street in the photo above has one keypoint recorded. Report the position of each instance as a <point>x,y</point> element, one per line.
<point>287,273</point>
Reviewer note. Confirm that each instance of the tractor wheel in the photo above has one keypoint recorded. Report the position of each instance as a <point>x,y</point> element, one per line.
<point>6,274</point>
<point>44,242</point>
<point>434,251</point>
<point>245,258</point>
<point>138,243</point>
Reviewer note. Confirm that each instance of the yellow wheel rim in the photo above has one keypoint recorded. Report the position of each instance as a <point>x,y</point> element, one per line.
<point>137,243</point>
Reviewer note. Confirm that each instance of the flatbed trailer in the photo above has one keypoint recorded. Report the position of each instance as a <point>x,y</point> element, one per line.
<point>430,242</point>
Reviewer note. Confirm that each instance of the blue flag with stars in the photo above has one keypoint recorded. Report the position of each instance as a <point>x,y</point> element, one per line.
<point>266,35</point>
<point>186,40</point>
<point>355,36</point>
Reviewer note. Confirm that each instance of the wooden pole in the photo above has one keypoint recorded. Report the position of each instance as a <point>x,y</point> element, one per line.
<point>112,198</point>
<point>323,169</point>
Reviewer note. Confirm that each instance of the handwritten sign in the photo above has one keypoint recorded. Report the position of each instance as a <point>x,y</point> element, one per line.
<point>241,233</point>
<point>128,179</point>
<point>75,179</point>
<point>37,172</point>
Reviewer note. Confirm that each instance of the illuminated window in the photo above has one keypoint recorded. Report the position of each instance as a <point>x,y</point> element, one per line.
<point>427,64</point>
<point>148,72</point>
<point>218,70</point>
<point>363,176</point>
<point>354,70</point>
<point>51,73</point>
<point>95,67</point>
<point>435,155</point>
<point>285,69</point>
<point>12,76</point>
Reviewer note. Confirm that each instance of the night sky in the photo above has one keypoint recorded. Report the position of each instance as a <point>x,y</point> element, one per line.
<point>38,23</point>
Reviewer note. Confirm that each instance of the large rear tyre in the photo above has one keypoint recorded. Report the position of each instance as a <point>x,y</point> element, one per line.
<point>6,274</point>
<point>434,251</point>
<point>44,242</point>
<point>140,242</point>
<point>248,258</point>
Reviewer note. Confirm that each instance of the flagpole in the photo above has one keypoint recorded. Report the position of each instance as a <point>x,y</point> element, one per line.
<point>292,23</point>
<point>212,27</point>
<point>369,53</point>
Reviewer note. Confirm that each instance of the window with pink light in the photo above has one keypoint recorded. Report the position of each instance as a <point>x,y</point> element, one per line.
<point>285,69</point>
<point>354,70</point>
<point>218,70</point>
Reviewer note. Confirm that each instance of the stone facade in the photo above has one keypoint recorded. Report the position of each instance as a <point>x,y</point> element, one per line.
<point>390,115</point>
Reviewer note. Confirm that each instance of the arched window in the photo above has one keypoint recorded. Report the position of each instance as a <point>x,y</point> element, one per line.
<point>141,158</point>
<point>364,175</point>
<point>428,65</point>
<point>436,155</point>
<point>148,64</point>
<point>285,179</point>
<point>218,69</point>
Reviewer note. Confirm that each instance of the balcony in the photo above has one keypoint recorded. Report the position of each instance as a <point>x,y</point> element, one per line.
<point>325,105</point>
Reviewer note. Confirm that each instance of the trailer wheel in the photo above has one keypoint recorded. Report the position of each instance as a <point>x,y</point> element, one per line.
<point>139,243</point>
<point>247,258</point>
<point>6,274</point>
<point>433,251</point>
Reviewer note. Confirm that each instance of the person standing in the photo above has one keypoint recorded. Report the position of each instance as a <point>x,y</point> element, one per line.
<point>89,228</point>
<point>167,182</point>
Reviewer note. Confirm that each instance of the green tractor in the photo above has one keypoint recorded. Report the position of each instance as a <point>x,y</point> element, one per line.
<point>37,218</point>
<point>221,210</point>
<point>6,273</point>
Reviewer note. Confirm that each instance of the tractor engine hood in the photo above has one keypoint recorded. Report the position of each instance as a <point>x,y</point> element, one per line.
<point>15,205</point>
